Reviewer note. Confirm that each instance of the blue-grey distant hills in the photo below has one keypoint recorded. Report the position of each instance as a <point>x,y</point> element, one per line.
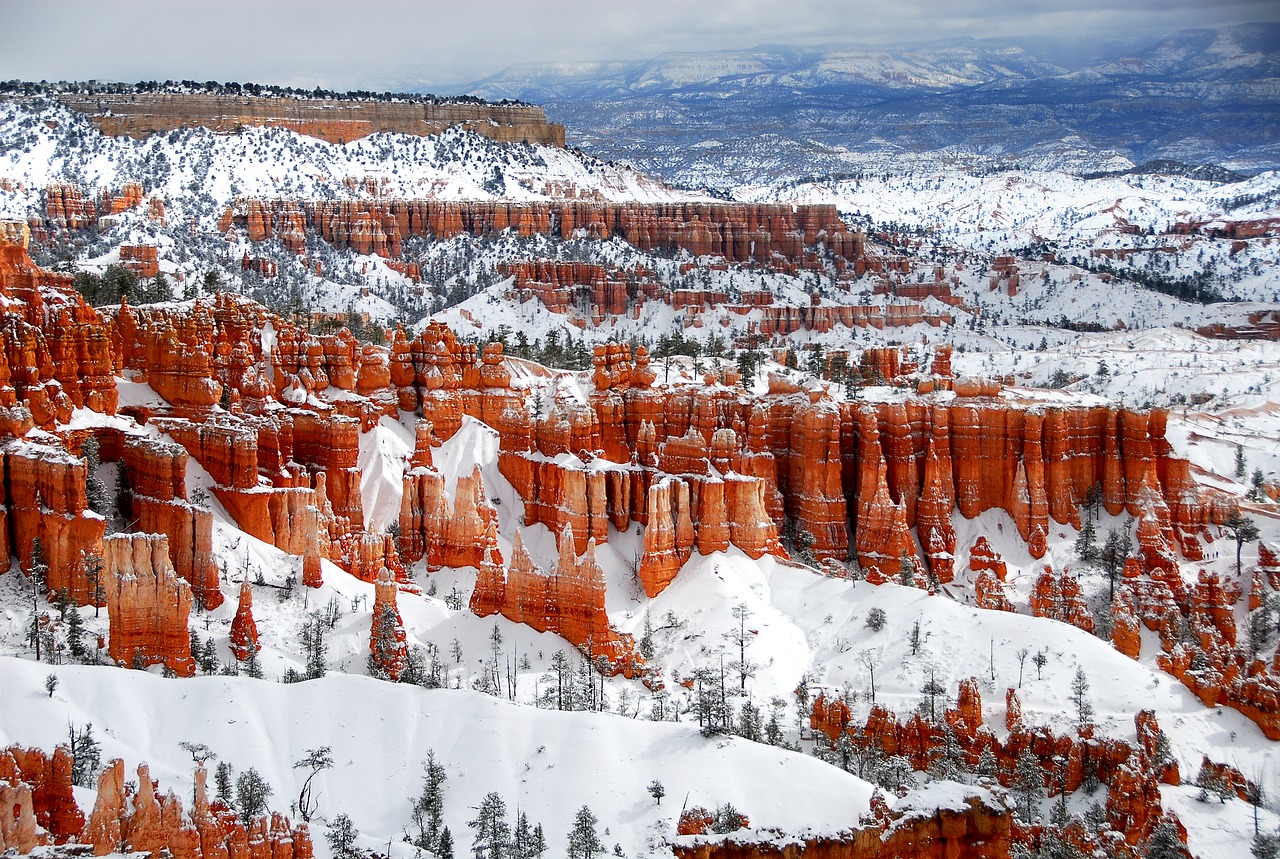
<point>1204,96</point>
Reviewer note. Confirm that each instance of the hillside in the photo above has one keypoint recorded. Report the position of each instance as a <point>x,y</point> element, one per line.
<point>780,113</point>
<point>903,515</point>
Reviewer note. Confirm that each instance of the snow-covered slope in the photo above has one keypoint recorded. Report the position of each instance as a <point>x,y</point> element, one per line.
<point>544,763</point>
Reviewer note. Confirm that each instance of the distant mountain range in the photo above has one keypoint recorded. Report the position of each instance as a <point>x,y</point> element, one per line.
<point>724,119</point>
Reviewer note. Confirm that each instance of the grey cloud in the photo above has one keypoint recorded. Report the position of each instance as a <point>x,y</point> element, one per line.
<point>346,44</point>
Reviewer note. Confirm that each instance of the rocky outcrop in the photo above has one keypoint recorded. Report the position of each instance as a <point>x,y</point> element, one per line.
<point>147,604</point>
<point>982,828</point>
<point>244,630</point>
<point>388,653</point>
<point>569,601</point>
<point>739,232</point>
<point>37,801</point>
<point>142,114</point>
<point>141,819</point>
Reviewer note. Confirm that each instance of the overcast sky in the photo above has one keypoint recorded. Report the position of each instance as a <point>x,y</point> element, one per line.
<point>402,43</point>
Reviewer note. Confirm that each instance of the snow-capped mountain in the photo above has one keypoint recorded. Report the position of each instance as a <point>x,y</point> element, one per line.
<point>721,119</point>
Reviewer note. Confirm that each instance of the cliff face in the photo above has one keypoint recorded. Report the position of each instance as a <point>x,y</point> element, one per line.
<point>140,115</point>
<point>701,468</point>
<point>147,604</point>
<point>981,829</point>
<point>741,232</point>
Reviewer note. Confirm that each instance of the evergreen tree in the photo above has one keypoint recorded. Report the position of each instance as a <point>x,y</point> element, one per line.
<point>987,764</point>
<point>749,722</point>
<point>93,575</point>
<point>740,636</point>
<point>314,646</point>
<point>223,785</point>
<point>428,808</point>
<point>773,728</point>
<point>948,760</point>
<point>1164,843</point>
<point>315,761</point>
<point>1265,846</point>
<point>906,570</point>
<point>1087,544</point>
<point>583,841</point>
<point>252,793</point>
<point>931,689</point>
<point>493,833</point>
<point>1080,697</point>
<point>1240,461</point>
<point>340,835</point>
<point>1243,530</point>
<point>209,657</point>
<point>444,846</point>
<point>251,665</point>
<point>1028,785</point>
<point>657,791</point>
<point>538,844</point>
<point>75,633</point>
<point>95,490</point>
<point>86,756</point>
<point>1115,551</point>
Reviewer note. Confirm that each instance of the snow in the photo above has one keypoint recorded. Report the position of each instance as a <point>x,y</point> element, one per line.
<point>384,453</point>
<point>544,763</point>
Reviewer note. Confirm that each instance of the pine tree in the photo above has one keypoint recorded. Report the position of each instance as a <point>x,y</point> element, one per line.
<point>583,841</point>
<point>1164,843</point>
<point>95,490</point>
<point>314,646</point>
<point>209,657</point>
<point>252,793</point>
<point>1240,461</point>
<point>657,791</point>
<point>538,844</point>
<point>916,639</point>
<point>987,764</point>
<point>38,572</point>
<point>1115,551</point>
<point>1087,544</point>
<point>749,722</point>
<point>428,808</point>
<point>75,633</point>
<point>1243,530</point>
<point>948,761</point>
<point>1028,785</point>
<point>740,636</point>
<point>931,689</point>
<point>86,755</point>
<point>493,833</point>
<point>340,835</point>
<point>93,575</point>
<point>251,665</point>
<point>1080,697</point>
<point>315,761</point>
<point>444,846</point>
<point>1265,846</point>
<point>223,786</point>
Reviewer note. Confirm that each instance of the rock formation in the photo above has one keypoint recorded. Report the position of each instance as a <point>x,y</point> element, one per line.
<point>142,114</point>
<point>388,653</point>
<point>569,601</point>
<point>244,631</point>
<point>140,819</point>
<point>147,604</point>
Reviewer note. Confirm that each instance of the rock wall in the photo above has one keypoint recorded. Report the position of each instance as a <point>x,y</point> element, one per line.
<point>129,818</point>
<point>739,232</point>
<point>984,829</point>
<point>147,604</point>
<point>568,601</point>
<point>141,115</point>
